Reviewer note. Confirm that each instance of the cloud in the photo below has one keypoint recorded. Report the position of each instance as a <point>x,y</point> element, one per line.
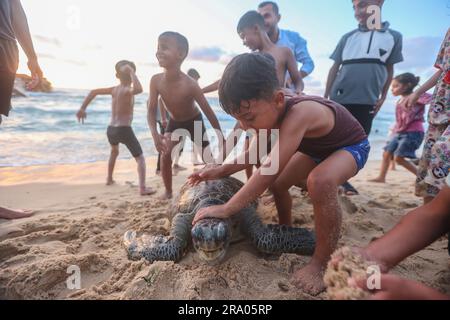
<point>44,39</point>
<point>420,54</point>
<point>69,61</point>
<point>92,47</point>
<point>46,56</point>
<point>311,82</point>
<point>75,62</point>
<point>206,54</point>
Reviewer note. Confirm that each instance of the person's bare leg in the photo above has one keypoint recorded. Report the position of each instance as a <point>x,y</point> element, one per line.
<point>111,164</point>
<point>166,168</point>
<point>297,170</point>
<point>393,167</point>
<point>387,159</point>
<point>14,214</point>
<point>179,150</point>
<point>416,230</point>
<point>408,165</point>
<point>198,156</point>
<point>143,190</point>
<point>323,185</point>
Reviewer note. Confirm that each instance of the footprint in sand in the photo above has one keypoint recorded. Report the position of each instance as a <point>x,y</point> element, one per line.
<point>348,205</point>
<point>8,250</point>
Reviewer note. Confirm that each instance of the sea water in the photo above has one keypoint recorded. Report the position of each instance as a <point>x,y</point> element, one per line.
<point>42,129</point>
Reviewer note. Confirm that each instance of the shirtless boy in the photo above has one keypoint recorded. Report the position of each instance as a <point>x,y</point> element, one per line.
<point>119,130</point>
<point>179,92</point>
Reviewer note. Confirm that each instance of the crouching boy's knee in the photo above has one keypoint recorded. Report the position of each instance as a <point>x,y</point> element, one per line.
<point>320,186</point>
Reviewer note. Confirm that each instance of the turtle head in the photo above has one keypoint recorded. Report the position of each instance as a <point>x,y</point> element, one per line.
<point>211,239</point>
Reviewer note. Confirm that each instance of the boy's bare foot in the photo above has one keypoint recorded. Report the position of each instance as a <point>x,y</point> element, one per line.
<point>378,180</point>
<point>110,182</point>
<point>15,214</point>
<point>310,278</point>
<point>166,196</point>
<point>147,192</point>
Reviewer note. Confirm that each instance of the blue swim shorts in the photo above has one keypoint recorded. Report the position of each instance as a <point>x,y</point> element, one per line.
<point>359,151</point>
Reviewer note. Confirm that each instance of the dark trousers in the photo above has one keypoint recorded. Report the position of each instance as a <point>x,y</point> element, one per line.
<point>363,113</point>
<point>6,89</point>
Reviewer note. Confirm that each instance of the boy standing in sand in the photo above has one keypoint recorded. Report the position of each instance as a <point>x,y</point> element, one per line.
<point>319,141</point>
<point>179,92</point>
<point>119,130</point>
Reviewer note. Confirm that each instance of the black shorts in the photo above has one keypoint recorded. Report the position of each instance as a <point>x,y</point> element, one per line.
<point>363,113</point>
<point>6,88</point>
<point>126,136</point>
<point>9,59</point>
<point>189,126</point>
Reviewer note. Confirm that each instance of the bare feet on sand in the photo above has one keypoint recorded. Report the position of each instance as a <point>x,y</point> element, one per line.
<point>15,214</point>
<point>147,191</point>
<point>378,180</point>
<point>110,182</point>
<point>310,278</point>
<point>166,196</point>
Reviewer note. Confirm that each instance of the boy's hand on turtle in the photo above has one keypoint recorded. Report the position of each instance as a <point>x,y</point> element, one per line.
<point>81,116</point>
<point>220,212</point>
<point>205,174</point>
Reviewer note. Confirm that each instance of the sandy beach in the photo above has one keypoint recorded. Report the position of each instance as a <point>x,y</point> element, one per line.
<point>80,221</point>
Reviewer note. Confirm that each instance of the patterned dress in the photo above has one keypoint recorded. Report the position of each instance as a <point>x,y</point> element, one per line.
<point>435,163</point>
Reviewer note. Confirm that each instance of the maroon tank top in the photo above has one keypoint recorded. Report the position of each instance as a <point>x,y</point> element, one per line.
<point>346,132</point>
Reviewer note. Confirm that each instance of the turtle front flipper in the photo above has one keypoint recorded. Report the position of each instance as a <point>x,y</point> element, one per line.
<point>161,248</point>
<point>153,248</point>
<point>275,239</point>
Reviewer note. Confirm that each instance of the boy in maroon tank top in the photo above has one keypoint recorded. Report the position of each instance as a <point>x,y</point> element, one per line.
<point>319,141</point>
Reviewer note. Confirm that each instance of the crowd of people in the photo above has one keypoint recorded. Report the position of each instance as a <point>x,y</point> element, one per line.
<point>322,142</point>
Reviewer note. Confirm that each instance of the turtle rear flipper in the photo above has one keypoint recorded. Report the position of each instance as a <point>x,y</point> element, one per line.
<point>283,239</point>
<point>275,239</point>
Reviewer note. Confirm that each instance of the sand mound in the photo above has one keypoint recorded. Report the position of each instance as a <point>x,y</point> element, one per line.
<point>345,264</point>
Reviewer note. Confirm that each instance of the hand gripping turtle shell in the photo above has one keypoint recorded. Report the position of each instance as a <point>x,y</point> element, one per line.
<point>212,237</point>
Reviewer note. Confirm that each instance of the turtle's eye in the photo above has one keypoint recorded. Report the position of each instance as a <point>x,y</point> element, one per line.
<point>221,231</point>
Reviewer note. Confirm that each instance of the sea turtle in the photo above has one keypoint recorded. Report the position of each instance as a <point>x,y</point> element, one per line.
<point>211,237</point>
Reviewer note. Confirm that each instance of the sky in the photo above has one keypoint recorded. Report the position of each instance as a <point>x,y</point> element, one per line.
<point>79,41</point>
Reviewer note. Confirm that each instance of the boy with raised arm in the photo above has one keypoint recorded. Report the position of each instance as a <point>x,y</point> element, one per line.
<point>119,130</point>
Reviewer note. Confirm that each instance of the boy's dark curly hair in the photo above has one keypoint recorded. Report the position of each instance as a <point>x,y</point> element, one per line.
<point>248,76</point>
